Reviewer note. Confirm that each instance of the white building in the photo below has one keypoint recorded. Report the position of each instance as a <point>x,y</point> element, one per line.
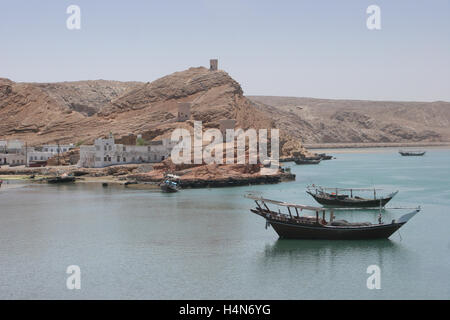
<point>15,146</point>
<point>106,153</point>
<point>3,145</point>
<point>11,146</point>
<point>33,156</point>
<point>12,159</point>
<point>54,148</point>
<point>12,152</point>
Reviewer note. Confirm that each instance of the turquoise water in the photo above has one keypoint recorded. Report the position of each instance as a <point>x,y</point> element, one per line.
<point>205,244</point>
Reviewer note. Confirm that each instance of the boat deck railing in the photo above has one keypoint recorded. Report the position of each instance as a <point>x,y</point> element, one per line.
<point>282,217</point>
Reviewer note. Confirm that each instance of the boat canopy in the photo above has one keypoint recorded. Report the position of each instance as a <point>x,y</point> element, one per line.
<point>319,209</point>
<point>346,189</point>
<point>286,204</point>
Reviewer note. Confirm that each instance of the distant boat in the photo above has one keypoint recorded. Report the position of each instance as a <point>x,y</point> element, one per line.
<point>340,197</point>
<point>37,163</point>
<point>316,157</point>
<point>61,179</point>
<point>324,156</point>
<point>306,161</point>
<point>291,225</point>
<point>170,184</point>
<point>412,153</point>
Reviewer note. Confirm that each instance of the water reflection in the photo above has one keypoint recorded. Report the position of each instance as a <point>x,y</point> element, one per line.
<point>325,251</point>
<point>285,247</point>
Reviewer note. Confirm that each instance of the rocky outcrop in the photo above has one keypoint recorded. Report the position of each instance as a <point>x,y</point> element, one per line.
<point>86,97</point>
<point>185,84</point>
<point>213,175</point>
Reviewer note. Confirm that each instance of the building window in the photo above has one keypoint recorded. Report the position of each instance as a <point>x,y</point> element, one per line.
<point>105,159</point>
<point>124,159</point>
<point>118,159</point>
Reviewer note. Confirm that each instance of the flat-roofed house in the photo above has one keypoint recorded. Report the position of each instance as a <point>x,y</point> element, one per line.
<point>105,152</point>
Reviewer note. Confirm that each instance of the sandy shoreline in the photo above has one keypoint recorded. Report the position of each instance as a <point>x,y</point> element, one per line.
<point>110,181</point>
<point>137,180</point>
<point>85,179</point>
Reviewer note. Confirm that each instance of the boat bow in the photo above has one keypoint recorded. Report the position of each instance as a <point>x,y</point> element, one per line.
<point>405,218</point>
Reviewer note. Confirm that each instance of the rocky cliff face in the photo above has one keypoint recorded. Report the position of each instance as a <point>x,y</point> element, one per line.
<point>356,121</point>
<point>26,111</point>
<point>86,97</point>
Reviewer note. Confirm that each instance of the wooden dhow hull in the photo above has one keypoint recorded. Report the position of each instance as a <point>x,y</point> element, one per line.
<point>296,229</point>
<point>290,231</point>
<point>412,154</point>
<point>351,202</point>
<point>168,189</point>
<point>293,224</point>
<point>55,180</point>
<point>306,162</point>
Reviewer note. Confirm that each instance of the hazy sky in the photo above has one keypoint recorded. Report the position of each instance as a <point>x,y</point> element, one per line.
<point>310,48</point>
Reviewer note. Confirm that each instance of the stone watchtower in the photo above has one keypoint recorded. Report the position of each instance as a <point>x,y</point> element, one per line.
<point>184,111</point>
<point>213,64</point>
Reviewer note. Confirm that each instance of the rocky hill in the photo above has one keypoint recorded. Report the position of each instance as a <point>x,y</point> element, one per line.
<point>79,112</point>
<point>356,121</point>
